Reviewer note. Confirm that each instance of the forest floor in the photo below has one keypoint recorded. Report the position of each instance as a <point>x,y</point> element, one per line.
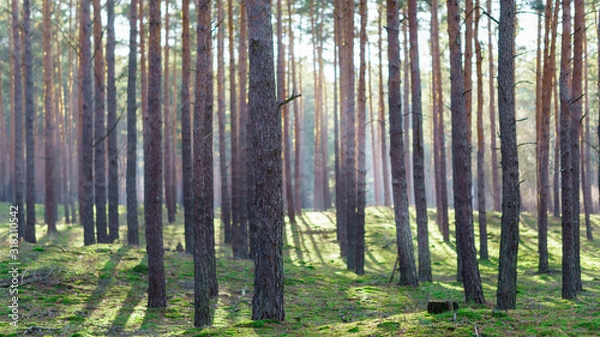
<point>100,290</point>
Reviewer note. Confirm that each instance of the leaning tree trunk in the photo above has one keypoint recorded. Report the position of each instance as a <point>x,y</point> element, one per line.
<point>461,169</point>
<point>153,173</point>
<point>132,202</point>
<point>408,269</point>
<point>506,295</point>
<point>418,152</point>
<point>267,302</point>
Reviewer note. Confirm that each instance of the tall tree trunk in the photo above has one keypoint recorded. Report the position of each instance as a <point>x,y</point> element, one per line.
<point>543,138</point>
<point>86,177</point>
<point>348,167</point>
<point>576,116</point>
<point>17,104</point>
<point>236,189</point>
<point>406,112</point>
<point>556,107</point>
<point>297,119</point>
<point>598,83</point>
<point>493,135</point>
<point>132,202</point>
<point>506,295</point>
<point>586,159</point>
<point>408,268</point>
<point>483,246</point>
<point>361,199</point>
<point>318,107</point>
<point>267,302</point>
<point>376,169</point>
<point>203,169</point>
<point>461,169</point>
<point>569,276</point>
<point>153,174</point>
<point>418,152</point>
<point>248,200</point>
<point>226,199</point>
<point>111,122</point>
<point>50,199</point>
<point>29,124</point>
<point>99,129</point>
<point>468,66</point>
<point>167,161</point>
<point>339,215</point>
<point>439,141</point>
<point>381,112</point>
<point>281,96</point>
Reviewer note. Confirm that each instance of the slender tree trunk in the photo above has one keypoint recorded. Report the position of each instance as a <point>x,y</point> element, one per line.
<point>438,99</point>
<point>408,268</point>
<point>381,112</point>
<point>348,167</point>
<point>418,152</point>
<point>576,116</point>
<point>17,104</point>
<point>483,246</point>
<point>186,137</point>
<point>569,276</point>
<point>86,177</point>
<point>236,189</point>
<point>144,78</point>
<point>361,200</point>
<point>297,120</point>
<point>281,96</point>
<point>557,164</point>
<point>267,302</point>
<point>318,107</point>
<point>99,129</point>
<point>543,138</point>
<point>29,124</point>
<point>226,199</point>
<point>493,135</point>
<point>376,169</point>
<point>167,167</point>
<point>461,169</point>
<point>153,174</point>
<point>50,199</point>
<point>468,66</point>
<point>111,122</point>
<point>132,202</point>
<point>506,295</point>
<point>407,116</point>
<point>339,214</point>
<point>586,159</point>
<point>203,169</point>
<point>598,83</point>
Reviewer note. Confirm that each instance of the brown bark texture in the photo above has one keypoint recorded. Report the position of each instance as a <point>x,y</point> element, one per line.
<point>29,125</point>
<point>111,122</point>
<point>361,199</point>
<point>131,172</point>
<point>17,104</point>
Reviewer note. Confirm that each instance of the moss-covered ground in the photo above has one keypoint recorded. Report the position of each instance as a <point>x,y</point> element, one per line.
<point>100,290</point>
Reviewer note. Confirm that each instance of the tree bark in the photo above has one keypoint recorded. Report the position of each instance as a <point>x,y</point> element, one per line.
<point>153,174</point>
<point>461,169</point>
<point>298,134</point>
<point>376,169</point>
<point>17,104</point>
<point>586,159</point>
<point>576,117</point>
<point>111,122</point>
<point>86,177</point>
<point>99,129</point>
<point>49,148</point>
<point>361,199</point>
<point>483,246</point>
<point>569,278</point>
<point>418,152</point>
<point>186,137</point>
<point>29,124</point>
<point>506,296</point>
<point>236,206</point>
<point>132,202</point>
<point>203,168</point>
<point>267,302</point>
<point>167,167</point>
<point>408,269</point>
<point>407,116</point>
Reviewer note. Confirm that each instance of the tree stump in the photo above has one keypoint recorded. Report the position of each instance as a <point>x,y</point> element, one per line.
<point>438,307</point>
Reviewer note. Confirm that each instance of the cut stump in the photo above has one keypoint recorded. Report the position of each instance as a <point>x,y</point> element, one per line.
<point>438,307</point>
